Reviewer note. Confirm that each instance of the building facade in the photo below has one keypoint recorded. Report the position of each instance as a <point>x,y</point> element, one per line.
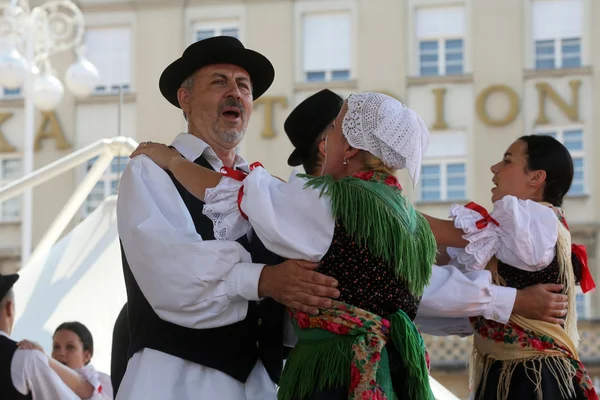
<point>480,72</point>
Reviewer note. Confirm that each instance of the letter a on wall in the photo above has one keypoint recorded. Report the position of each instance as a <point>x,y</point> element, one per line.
<point>5,146</point>
<point>50,129</point>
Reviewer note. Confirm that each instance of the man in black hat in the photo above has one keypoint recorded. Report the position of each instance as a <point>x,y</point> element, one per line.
<point>451,295</point>
<point>198,319</point>
<point>306,125</point>
<point>24,374</point>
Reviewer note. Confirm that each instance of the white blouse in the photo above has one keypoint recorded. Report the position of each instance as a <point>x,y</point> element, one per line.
<point>297,223</point>
<point>524,238</point>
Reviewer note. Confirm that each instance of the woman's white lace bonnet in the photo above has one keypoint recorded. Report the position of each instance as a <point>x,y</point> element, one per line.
<point>389,130</point>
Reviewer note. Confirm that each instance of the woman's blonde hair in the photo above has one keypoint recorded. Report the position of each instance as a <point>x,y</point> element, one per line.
<point>373,163</point>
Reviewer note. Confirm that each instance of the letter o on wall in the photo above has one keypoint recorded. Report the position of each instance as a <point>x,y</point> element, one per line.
<point>481,102</point>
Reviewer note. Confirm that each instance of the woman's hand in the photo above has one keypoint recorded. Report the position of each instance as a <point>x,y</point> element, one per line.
<point>161,154</point>
<point>30,345</point>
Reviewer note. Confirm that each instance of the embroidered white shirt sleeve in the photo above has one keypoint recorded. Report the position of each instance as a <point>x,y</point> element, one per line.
<point>188,281</point>
<point>292,221</point>
<point>31,373</point>
<point>454,294</point>
<point>525,238</point>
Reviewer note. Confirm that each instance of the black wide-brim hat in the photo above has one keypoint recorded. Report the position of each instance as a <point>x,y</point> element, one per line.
<point>6,283</point>
<point>308,120</point>
<point>216,50</point>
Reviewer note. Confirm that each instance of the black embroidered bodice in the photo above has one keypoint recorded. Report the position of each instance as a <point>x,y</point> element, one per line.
<point>519,279</point>
<point>365,280</point>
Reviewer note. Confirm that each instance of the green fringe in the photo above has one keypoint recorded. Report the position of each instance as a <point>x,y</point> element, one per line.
<point>382,220</point>
<point>410,345</point>
<point>316,365</point>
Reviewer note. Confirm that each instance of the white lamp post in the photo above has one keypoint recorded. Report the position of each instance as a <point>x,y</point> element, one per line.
<point>39,33</point>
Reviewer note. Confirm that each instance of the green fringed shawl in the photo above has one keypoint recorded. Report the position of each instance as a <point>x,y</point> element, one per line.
<point>379,218</point>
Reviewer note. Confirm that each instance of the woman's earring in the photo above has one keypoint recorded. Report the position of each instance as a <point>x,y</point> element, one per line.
<point>345,161</point>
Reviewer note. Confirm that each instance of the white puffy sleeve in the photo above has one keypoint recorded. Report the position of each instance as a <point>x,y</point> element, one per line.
<point>292,221</point>
<point>101,383</point>
<point>520,233</point>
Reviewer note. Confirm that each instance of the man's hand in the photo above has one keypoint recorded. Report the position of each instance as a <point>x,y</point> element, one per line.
<point>542,302</point>
<point>296,285</point>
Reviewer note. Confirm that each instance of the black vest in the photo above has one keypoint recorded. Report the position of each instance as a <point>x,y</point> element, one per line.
<point>232,349</point>
<point>119,356</point>
<point>7,388</point>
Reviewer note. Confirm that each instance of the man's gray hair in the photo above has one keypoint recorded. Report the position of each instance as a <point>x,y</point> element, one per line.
<point>188,84</point>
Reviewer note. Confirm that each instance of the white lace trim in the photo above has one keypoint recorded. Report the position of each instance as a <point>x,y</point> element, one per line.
<point>221,208</point>
<point>483,243</point>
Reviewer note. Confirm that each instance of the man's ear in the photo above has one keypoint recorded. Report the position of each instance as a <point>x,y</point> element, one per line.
<point>9,309</point>
<point>184,97</point>
<point>322,148</point>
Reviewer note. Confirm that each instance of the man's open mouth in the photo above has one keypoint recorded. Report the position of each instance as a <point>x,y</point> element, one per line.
<point>232,112</point>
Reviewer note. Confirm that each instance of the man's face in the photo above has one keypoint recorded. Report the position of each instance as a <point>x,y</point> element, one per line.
<point>219,104</point>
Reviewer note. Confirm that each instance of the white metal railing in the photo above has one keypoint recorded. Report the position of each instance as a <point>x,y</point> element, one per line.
<point>104,149</point>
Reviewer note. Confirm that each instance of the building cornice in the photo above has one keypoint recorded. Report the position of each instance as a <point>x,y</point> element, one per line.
<point>333,85</point>
<point>441,79</point>
<point>106,99</point>
<point>557,73</point>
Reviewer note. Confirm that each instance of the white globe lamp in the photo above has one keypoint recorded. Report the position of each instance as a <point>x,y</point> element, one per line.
<point>47,92</point>
<point>13,68</point>
<point>82,77</point>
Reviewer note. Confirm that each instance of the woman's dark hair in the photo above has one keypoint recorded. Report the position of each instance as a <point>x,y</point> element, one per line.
<point>548,154</point>
<point>80,330</point>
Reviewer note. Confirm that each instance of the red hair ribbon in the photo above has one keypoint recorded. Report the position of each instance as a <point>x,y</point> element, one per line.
<point>580,252</point>
<point>587,281</point>
<point>487,218</point>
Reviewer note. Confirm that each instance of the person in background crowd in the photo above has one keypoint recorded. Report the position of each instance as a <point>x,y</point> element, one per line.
<point>72,350</point>
<point>24,374</point>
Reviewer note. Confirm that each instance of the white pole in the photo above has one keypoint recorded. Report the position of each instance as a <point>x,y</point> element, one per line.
<point>72,205</point>
<point>28,162</point>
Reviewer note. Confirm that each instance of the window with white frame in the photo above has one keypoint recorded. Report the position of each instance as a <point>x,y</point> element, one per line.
<point>557,30</point>
<point>205,30</point>
<point>440,34</point>
<point>583,304</point>
<point>572,138</point>
<point>326,50</point>
<point>444,170</point>
<point>10,169</point>
<point>107,185</point>
<point>443,181</point>
<point>110,50</point>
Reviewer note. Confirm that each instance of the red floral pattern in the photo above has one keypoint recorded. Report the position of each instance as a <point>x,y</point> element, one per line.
<point>373,176</point>
<point>513,334</point>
